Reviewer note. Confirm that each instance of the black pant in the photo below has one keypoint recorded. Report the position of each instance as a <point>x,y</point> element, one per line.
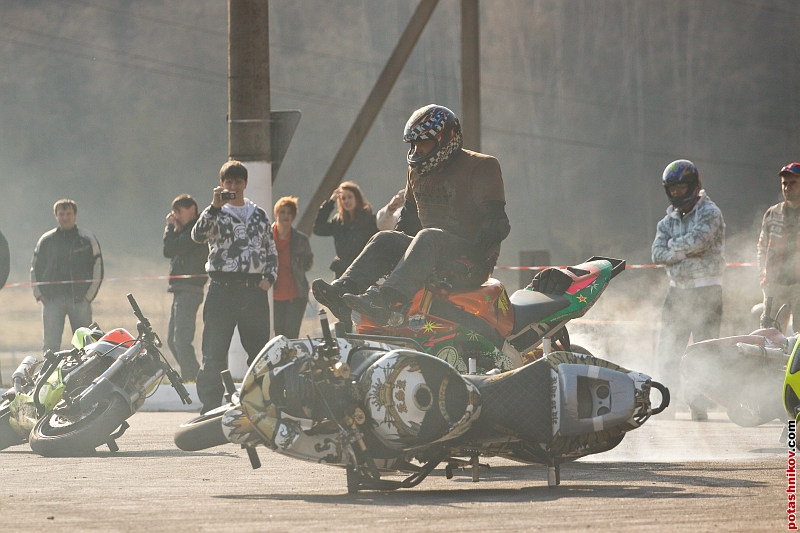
<point>228,306</point>
<point>289,316</point>
<point>408,263</point>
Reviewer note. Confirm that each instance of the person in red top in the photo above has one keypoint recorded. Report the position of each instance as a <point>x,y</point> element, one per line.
<point>290,293</point>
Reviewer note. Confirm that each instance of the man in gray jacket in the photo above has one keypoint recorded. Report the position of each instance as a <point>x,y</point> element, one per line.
<point>690,241</point>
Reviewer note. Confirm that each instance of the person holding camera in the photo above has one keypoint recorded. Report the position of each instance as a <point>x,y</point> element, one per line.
<point>187,280</point>
<point>242,264</point>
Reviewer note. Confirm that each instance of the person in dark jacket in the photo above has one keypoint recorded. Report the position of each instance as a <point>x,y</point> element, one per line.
<point>187,278</point>
<point>351,226</point>
<point>5,260</point>
<point>66,272</point>
<point>290,294</point>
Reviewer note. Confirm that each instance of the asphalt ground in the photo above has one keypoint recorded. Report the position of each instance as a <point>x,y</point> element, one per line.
<point>669,475</point>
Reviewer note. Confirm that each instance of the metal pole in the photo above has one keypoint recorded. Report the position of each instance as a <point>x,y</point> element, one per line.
<point>248,80</point>
<point>249,114</point>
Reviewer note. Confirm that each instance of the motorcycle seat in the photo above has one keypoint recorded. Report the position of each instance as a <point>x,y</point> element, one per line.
<point>532,306</point>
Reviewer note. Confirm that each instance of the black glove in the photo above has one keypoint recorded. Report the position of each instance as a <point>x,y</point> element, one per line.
<point>551,281</point>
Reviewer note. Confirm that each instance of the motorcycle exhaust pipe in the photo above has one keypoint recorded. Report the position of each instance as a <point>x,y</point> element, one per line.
<point>24,371</point>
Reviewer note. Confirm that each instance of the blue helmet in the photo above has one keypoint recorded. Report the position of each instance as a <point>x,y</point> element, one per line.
<point>678,172</point>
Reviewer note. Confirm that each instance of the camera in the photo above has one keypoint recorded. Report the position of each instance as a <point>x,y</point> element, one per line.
<point>228,195</point>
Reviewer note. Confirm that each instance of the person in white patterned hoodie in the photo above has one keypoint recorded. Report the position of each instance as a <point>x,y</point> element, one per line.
<point>690,242</point>
<point>242,264</point>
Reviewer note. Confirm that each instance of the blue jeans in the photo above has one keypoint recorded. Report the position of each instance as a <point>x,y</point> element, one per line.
<point>54,310</point>
<point>180,336</point>
<point>226,308</point>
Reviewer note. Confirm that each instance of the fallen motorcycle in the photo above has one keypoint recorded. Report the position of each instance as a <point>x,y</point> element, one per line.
<point>498,331</point>
<point>38,385</point>
<point>76,400</point>
<point>742,373</point>
<point>376,406</point>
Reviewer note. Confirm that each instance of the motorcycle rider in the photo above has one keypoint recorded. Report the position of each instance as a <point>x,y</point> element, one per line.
<point>778,248</point>
<point>690,241</point>
<point>454,210</point>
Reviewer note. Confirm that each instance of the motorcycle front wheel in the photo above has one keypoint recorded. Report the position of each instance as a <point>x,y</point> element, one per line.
<point>8,437</point>
<point>202,432</point>
<point>62,435</point>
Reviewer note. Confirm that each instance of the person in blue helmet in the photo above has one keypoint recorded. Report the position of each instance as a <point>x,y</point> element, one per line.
<point>689,242</point>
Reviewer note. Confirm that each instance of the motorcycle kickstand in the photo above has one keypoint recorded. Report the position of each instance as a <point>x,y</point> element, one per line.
<point>460,463</point>
<point>252,454</point>
<point>553,474</point>
<point>112,439</point>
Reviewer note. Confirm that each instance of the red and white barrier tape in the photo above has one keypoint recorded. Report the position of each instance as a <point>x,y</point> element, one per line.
<point>135,278</point>
<point>626,266</point>
<point>187,276</point>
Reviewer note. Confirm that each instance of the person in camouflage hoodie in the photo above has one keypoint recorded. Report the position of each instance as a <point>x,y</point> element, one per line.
<point>690,241</point>
<point>242,264</point>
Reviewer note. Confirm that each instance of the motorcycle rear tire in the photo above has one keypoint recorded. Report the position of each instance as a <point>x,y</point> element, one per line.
<point>202,432</point>
<point>8,437</point>
<point>84,435</point>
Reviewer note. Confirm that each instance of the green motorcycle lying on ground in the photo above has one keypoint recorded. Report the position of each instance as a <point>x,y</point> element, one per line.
<point>72,401</point>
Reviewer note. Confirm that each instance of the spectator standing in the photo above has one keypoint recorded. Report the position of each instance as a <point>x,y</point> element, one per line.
<point>5,260</point>
<point>187,258</point>
<point>242,264</point>
<point>690,242</point>
<point>351,226</point>
<point>295,258</point>
<point>779,250</point>
<point>67,270</point>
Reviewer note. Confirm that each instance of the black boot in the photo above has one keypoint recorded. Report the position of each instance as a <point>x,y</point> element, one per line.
<point>330,295</point>
<point>381,308</point>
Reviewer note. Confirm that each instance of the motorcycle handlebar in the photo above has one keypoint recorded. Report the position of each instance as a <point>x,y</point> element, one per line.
<point>144,323</point>
<point>136,310</point>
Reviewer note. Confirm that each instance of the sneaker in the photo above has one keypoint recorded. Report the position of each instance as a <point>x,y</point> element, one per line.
<point>372,304</point>
<point>331,297</point>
